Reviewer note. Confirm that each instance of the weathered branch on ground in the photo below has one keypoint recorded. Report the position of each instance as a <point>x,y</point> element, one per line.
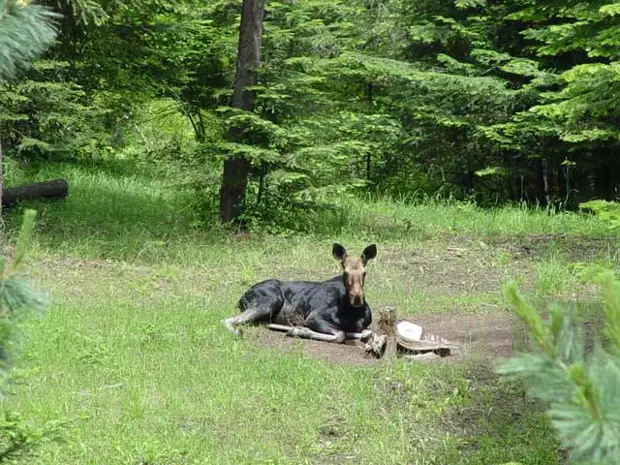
<point>51,190</point>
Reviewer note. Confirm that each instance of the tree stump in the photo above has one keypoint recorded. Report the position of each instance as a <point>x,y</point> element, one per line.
<point>387,326</point>
<point>384,341</point>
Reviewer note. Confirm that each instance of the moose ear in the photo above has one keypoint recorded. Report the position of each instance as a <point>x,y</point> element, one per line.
<point>369,253</point>
<point>339,253</point>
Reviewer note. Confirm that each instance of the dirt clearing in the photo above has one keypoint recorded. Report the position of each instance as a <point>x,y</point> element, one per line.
<point>490,335</point>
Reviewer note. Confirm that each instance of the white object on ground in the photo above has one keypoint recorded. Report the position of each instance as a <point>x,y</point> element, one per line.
<point>409,331</point>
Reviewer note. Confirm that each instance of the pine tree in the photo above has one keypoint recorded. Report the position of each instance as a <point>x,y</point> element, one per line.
<point>25,32</point>
<point>581,389</point>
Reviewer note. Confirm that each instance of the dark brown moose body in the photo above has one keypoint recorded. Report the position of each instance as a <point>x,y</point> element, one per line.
<point>332,310</point>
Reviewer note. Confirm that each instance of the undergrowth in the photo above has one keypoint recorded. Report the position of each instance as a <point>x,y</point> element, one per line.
<point>140,212</point>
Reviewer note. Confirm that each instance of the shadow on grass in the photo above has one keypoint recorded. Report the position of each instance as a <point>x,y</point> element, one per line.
<point>498,423</point>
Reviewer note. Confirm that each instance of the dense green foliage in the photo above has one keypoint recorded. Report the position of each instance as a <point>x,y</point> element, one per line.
<point>499,100</point>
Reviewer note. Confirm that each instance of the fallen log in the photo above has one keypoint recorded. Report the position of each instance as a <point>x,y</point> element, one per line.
<point>51,190</point>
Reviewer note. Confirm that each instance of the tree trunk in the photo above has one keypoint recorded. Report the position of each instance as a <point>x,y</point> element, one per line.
<point>261,184</point>
<point>546,182</point>
<point>562,183</point>
<point>54,189</point>
<point>387,325</point>
<point>236,169</point>
<point>469,182</point>
<point>369,155</point>
<point>540,185</point>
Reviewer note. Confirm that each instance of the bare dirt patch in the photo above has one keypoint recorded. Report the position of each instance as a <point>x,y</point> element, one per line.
<point>467,266</point>
<point>350,353</point>
<point>574,248</point>
<point>491,335</point>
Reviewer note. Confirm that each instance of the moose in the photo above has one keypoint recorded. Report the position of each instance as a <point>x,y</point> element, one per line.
<point>331,311</point>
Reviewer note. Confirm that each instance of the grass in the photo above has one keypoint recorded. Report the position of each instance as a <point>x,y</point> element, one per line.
<point>138,358</point>
<point>133,353</point>
<point>554,276</point>
<point>143,215</point>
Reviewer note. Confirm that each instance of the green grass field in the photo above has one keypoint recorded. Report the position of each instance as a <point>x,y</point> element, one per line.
<point>133,355</point>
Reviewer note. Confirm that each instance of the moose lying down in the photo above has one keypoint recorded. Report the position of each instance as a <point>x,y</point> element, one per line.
<point>332,310</point>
